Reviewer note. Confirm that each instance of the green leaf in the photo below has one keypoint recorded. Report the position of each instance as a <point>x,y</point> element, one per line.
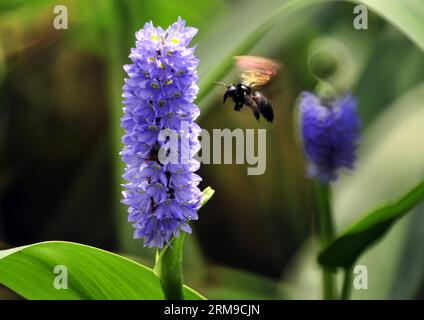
<point>345,249</point>
<point>92,273</point>
<point>409,278</point>
<point>405,15</point>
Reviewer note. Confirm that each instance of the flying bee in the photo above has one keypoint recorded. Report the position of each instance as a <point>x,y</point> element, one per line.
<point>254,72</point>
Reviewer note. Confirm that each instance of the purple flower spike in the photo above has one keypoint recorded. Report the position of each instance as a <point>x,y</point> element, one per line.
<point>330,133</point>
<point>158,97</point>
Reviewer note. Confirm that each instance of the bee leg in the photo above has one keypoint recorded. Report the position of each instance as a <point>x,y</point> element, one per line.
<point>256,112</point>
<point>225,96</point>
<point>251,102</point>
<point>238,106</point>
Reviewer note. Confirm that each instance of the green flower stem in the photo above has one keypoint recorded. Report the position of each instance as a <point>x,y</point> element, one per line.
<point>169,261</point>
<point>347,284</point>
<point>169,269</point>
<point>326,233</point>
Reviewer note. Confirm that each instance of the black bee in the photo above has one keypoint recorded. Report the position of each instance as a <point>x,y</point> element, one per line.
<point>254,72</point>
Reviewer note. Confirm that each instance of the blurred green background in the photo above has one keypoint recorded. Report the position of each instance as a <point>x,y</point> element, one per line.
<point>60,104</point>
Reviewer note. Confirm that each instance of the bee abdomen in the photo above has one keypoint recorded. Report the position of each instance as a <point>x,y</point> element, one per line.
<point>264,106</point>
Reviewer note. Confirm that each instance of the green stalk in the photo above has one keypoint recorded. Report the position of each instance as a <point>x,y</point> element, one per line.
<point>347,284</point>
<point>169,261</point>
<point>169,269</point>
<point>326,234</point>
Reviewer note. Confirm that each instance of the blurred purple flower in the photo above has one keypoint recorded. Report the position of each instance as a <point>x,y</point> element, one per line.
<point>158,94</point>
<point>330,132</point>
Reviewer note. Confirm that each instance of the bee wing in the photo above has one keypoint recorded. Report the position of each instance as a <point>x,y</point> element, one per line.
<point>256,71</point>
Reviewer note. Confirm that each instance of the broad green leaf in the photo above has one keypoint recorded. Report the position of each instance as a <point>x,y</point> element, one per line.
<point>346,248</point>
<point>409,278</point>
<point>92,273</point>
<point>374,86</point>
<point>405,15</point>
